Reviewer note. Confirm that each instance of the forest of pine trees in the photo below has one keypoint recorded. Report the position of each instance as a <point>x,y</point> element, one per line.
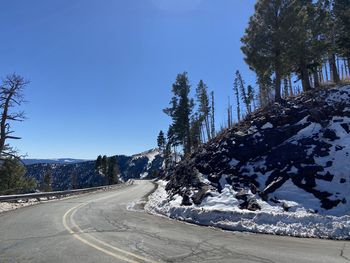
<point>301,39</point>
<point>109,167</point>
<point>193,121</point>
<point>286,43</point>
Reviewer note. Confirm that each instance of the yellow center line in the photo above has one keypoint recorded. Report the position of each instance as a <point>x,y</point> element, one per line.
<point>87,242</point>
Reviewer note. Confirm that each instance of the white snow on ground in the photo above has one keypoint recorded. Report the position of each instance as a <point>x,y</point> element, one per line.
<point>267,125</point>
<point>7,206</point>
<point>151,155</point>
<point>221,210</point>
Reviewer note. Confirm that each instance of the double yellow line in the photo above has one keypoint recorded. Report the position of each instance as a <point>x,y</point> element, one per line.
<point>95,243</point>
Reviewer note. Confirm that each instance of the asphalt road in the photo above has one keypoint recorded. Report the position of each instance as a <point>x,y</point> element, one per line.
<point>99,228</point>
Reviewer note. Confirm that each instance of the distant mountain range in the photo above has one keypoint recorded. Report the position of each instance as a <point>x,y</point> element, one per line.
<point>52,161</point>
<point>141,166</point>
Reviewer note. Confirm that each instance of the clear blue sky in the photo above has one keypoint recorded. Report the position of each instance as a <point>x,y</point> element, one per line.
<point>101,71</point>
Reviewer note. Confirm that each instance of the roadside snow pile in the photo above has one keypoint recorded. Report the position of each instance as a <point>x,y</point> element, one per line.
<point>283,170</point>
<point>7,206</point>
<point>222,210</point>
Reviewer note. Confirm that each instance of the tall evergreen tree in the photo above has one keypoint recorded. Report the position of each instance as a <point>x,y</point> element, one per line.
<point>203,106</point>
<point>104,165</point>
<point>341,10</point>
<point>212,115</point>
<point>161,142</point>
<point>180,111</point>
<point>13,179</point>
<point>113,171</point>
<point>74,179</point>
<point>236,86</point>
<point>305,45</point>
<point>265,41</point>
<point>250,97</point>
<point>242,89</point>
<point>47,181</point>
<point>265,89</point>
<point>328,23</point>
<point>196,123</point>
<point>285,88</point>
<point>98,163</point>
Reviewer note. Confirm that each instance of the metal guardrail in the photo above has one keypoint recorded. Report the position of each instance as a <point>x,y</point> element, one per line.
<point>54,194</point>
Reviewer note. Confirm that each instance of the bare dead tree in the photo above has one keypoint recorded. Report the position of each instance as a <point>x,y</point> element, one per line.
<point>11,97</point>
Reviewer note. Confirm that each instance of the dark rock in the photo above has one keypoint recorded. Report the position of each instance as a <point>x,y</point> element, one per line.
<point>186,200</point>
<point>339,148</point>
<point>329,163</point>
<point>285,207</point>
<point>329,204</point>
<point>251,205</point>
<point>330,135</point>
<point>345,127</point>
<point>198,197</point>
<point>242,195</point>
<point>277,180</point>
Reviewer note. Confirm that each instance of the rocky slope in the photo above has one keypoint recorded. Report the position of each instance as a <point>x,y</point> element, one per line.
<point>289,157</point>
<point>142,165</point>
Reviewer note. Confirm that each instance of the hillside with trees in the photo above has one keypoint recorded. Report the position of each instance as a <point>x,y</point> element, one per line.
<point>283,150</point>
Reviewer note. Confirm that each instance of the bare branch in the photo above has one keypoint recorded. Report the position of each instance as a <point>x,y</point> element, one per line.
<point>11,96</point>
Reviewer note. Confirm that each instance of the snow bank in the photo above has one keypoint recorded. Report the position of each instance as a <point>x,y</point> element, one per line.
<point>7,206</point>
<point>221,210</point>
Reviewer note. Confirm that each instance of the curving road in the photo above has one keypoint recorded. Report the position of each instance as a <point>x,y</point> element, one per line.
<point>99,228</point>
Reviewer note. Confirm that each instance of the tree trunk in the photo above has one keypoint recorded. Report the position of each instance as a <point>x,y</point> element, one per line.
<point>334,70</point>
<point>207,127</point>
<point>326,72</point>
<point>291,93</point>
<point>320,73</point>
<point>278,86</point>
<point>348,62</point>
<point>316,80</point>
<point>305,77</point>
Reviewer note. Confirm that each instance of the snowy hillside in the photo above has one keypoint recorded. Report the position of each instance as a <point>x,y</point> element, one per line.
<point>138,166</point>
<point>284,170</point>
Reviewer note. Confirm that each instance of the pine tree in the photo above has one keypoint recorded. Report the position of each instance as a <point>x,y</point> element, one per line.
<point>328,24</point>
<point>47,181</point>
<point>203,106</point>
<point>285,88</point>
<point>212,115</point>
<point>74,180</point>
<point>161,141</point>
<point>229,113</point>
<point>266,39</point>
<point>113,171</point>
<point>236,93</point>
<point>180,112</point>
<point>196,123</point>
<point>167,152</point>
<point>98,163</point>
<point>291,92</point>
<point>250,97</point>
<point>305,45</point>
<point>265,89</point>
<point>104,165</point>
<point>172,141</point>
<point>341,10</point>
<point>13,179</point>
<point>242,89</point>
